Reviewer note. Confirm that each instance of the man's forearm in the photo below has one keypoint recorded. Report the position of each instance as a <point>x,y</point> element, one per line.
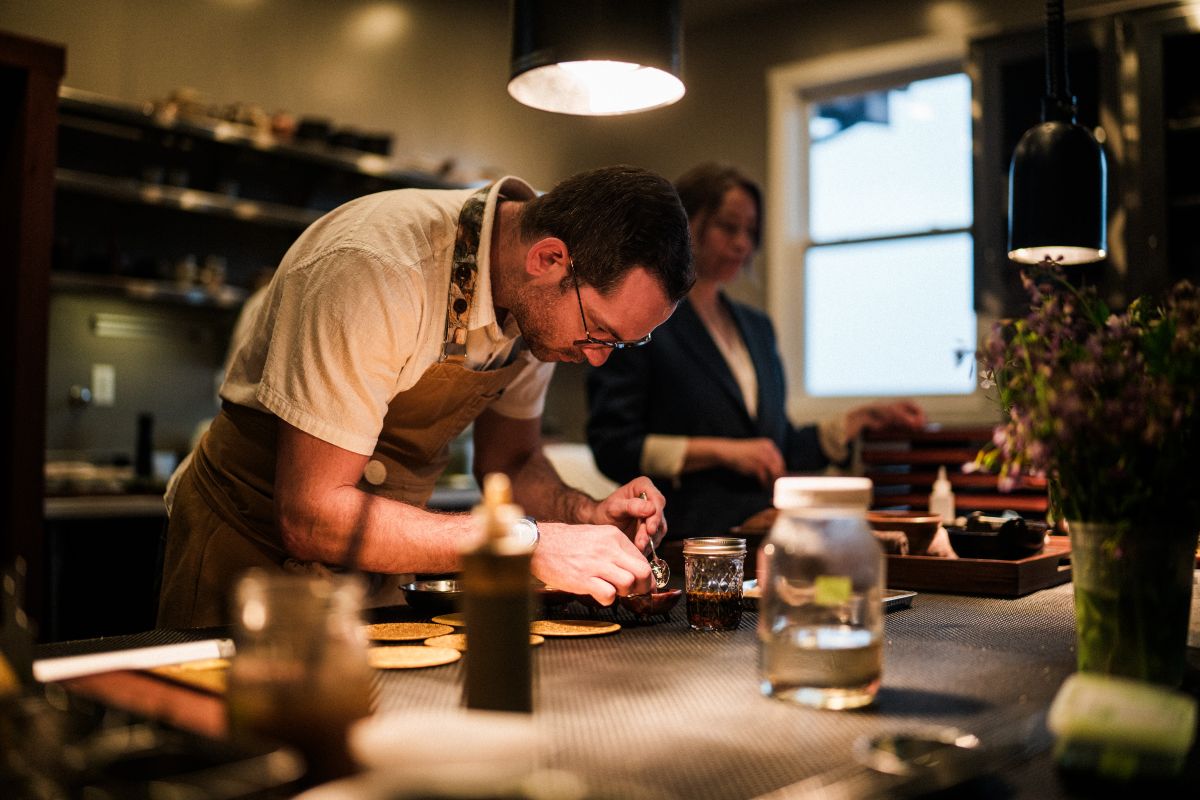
<point>539,490</point>
<point>395,536</point>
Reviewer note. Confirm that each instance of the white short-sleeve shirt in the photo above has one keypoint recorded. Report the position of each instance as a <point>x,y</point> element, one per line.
<point>356,313</point>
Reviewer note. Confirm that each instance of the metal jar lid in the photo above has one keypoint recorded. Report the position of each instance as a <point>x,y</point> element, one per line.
<point>714,546</point>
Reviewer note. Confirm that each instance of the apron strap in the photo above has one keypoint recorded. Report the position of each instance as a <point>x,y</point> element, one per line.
<point>463,275</point>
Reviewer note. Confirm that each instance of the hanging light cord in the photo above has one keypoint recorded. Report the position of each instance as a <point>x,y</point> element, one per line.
<point>1058,104</point>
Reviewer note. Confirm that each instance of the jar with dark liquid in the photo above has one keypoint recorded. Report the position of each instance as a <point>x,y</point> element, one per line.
<point>713,569</point>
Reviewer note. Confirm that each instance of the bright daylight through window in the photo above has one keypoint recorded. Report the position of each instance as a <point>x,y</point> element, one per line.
<point>888,260</point>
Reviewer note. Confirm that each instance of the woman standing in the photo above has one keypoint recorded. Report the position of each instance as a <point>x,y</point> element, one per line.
<point>702,408</point>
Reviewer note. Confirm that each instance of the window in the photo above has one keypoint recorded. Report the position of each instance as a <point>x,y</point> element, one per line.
<point>870,249</point>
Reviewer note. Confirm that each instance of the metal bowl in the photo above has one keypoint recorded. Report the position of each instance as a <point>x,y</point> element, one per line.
<point>440,596</point>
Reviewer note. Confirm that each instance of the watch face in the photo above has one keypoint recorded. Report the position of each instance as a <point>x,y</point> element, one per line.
<point>526,531</point>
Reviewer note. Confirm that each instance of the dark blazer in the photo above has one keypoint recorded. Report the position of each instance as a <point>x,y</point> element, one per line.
<point>680,384</point>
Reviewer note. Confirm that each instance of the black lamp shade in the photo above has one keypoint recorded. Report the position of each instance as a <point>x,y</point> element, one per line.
<point>1057,196</point>
<point>596,57</point>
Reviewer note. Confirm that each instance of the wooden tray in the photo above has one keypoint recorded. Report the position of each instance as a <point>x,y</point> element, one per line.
<point>985,576</point>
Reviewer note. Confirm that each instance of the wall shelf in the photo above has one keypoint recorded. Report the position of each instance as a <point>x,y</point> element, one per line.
<point>183,199</point>
<point>77,105</point>
<point>226,297</point>
<point>140,189</point>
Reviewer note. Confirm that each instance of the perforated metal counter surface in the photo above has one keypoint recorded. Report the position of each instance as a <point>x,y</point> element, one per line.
<point>663,711</point>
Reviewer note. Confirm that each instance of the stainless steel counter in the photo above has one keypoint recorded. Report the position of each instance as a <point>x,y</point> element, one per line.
<point>105,506</point>
<point>662,711</point>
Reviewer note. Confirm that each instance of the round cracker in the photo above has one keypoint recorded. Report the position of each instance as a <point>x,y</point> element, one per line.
<point>458,641</point>
<point>404,631</point>
<point>408,656</point>
<point>573,627</point>
<point>455,620</point>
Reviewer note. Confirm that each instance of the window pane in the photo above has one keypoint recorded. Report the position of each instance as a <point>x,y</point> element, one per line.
<point>893,161</point>
<point>890,318</point>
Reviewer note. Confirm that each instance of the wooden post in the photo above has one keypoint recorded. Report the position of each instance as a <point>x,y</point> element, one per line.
<point>30,73</point>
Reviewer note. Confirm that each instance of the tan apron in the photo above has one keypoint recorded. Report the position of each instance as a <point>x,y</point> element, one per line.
<point>223,521</point>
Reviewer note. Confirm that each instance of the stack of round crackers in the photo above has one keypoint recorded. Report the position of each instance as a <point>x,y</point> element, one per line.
<point>442,644</point>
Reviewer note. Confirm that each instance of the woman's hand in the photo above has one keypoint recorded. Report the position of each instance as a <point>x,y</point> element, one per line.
<point>758,458</point>
<point>904,415</point>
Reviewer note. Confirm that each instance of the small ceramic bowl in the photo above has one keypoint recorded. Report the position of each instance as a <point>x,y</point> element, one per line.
<point>919,526</point>
<point>552,598</point>
<point>655,604</point>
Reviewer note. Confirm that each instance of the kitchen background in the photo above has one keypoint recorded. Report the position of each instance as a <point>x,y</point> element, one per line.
<point>162,230</point>
<point>432,74</point>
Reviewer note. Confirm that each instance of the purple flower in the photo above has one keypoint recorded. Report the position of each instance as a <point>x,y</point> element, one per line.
<point>1103,402</point>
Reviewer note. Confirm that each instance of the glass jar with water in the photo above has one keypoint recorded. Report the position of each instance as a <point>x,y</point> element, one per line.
<point>821,574</point>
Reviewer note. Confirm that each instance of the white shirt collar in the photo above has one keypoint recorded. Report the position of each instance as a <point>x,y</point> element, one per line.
<point>483,312</point>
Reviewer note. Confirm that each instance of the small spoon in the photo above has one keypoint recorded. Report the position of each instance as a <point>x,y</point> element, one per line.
<point>659,568</point>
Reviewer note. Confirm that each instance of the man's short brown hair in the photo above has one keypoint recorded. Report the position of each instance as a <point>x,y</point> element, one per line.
<point>613,219</point>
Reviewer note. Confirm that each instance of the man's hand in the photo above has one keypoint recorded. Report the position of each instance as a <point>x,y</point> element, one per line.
<point>598,560</point>
<point>640,518</point>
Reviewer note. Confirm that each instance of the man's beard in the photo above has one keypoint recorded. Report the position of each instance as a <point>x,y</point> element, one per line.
<point>531,310</point>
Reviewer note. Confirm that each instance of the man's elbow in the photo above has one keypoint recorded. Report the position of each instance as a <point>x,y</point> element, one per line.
<point>298,527</point>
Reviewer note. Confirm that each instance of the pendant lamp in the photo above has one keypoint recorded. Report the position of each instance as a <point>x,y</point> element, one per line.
<point>1057,208</point>
<point>596,57</point>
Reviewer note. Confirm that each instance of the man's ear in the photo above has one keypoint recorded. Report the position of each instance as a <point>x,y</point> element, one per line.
<point>548,257</point>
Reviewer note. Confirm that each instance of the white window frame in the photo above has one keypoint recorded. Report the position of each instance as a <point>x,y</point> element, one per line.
<point>788,240</point>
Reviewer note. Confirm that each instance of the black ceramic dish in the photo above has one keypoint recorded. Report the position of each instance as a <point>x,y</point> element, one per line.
<point>1014,539</point>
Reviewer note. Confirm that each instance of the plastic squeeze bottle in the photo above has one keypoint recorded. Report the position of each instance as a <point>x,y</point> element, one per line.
<point>497,606</point>
<point>941,499</point>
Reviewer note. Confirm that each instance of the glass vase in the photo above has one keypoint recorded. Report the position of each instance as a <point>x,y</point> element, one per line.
<point>1133,586</point>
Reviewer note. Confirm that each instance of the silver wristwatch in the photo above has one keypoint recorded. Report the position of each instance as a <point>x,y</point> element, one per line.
<point>526,531</point>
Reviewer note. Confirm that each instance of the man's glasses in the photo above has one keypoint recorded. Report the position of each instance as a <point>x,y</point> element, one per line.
<point>588,339</point>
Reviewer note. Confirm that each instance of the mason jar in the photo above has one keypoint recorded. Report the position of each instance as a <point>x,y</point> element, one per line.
<point>713,569</point>
<point>300,674</point>
<point>821,574</point>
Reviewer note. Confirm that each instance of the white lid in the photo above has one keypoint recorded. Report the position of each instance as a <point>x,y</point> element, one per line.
<point>822,492</point>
